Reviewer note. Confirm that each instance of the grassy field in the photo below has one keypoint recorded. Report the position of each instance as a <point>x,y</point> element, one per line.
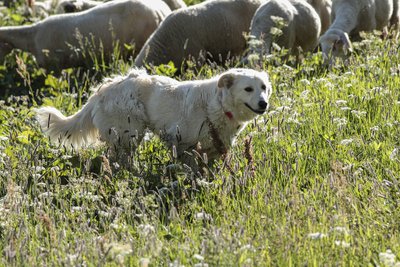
<point>321,186</point>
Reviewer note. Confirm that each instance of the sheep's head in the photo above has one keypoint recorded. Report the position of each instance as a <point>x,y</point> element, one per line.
<point>335,43</point>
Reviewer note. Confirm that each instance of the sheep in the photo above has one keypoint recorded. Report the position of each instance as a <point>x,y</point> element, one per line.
<point>394,20</point>
<point>350,17</point>
<point>57,40</point>
<point>301,28</point>
<point>215,27</point>
<point>70,6</point>
<point>323,8</point>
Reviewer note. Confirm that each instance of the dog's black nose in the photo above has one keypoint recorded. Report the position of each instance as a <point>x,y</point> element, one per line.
<point>262,104</point>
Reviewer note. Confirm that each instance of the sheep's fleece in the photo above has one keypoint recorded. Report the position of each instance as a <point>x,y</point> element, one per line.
<point>69,6</point>
<point>216,26</point>
<point>351,17</point>
<point>302,26</point>
<point>55,43</point>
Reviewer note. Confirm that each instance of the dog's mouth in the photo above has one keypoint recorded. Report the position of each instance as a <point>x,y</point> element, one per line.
<point>258,111</point>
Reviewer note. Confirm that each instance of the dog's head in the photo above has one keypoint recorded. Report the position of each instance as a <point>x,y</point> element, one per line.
<point>245,93</point>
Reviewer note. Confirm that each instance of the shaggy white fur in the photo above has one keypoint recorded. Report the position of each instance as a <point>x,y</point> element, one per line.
<point>210,112</point>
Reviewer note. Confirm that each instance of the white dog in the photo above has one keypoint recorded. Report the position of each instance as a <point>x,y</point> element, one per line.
<point>210,112</point>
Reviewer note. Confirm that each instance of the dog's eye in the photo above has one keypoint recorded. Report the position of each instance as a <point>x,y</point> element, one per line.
<point>263,87</point>
<point>248,89</point>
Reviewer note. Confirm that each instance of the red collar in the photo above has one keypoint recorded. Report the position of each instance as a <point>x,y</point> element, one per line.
<point>229,114</point>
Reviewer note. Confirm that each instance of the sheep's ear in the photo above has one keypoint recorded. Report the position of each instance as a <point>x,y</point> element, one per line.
<point>343,44</point>
<point>226,80</point>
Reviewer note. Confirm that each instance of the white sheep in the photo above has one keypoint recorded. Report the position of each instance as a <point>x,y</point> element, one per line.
<point>350,17</point>
<point>394,20</point>
<point>61,41</point>
<point>323,9</point>
<point>70,6</point>
<point>300,28</point>
<point>216,27</point>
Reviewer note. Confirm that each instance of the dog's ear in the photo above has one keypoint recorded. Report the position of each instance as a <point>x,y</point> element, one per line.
<point>226,80</point>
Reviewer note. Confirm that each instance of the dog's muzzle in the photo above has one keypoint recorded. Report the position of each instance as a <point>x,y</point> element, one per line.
<point>262,107</point>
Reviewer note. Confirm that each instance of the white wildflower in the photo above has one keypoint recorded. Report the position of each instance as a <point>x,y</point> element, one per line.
<point>254,42</point>
<point>305,94</point>
<point>388,258</point>
<point>175,263</point>
<point>272,113</point>
<point>144,262</point>
<point>3,138</point>
<point>305,82</point>
<point>358,113</point>
<point>248,262</point>
<point>41,185</point>
<point>283,108</point>
<point>329,85</point>
<point>394,154</point>
<point>321,80</point>
<point>66,157</point>
<point>293,120</point>
<point>316,235</point>
<point>54,151</point>
<point>342,244</point>
<point>76,209</point>
<point>374,129</point>
<point>348,73</point>
<point>283,85</point>
<point>146,229</point>
<point>202,216</point>
<point>104,214</point>
<point>341,102</point>
<point>248,247</point>
<point>72,258</point>
<point>198,257</point>
<point>55,168</point>
<point>275,31</point>
<point>117,226</point>
<point>38,168</point>
<point>253,57</point>
<point>36,176</point>
<point>340,122</point>
<point>341,229</point>
<point>46,195</point>
<point>120,249</point>
<point>346,142</point>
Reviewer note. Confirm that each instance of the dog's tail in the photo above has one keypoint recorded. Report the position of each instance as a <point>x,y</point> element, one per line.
<point>75,131</point>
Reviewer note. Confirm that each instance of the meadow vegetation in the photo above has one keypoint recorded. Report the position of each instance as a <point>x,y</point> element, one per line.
<point>314,182</point>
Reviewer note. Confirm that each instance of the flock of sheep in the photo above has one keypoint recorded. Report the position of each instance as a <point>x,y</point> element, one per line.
<point>213,30</point>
